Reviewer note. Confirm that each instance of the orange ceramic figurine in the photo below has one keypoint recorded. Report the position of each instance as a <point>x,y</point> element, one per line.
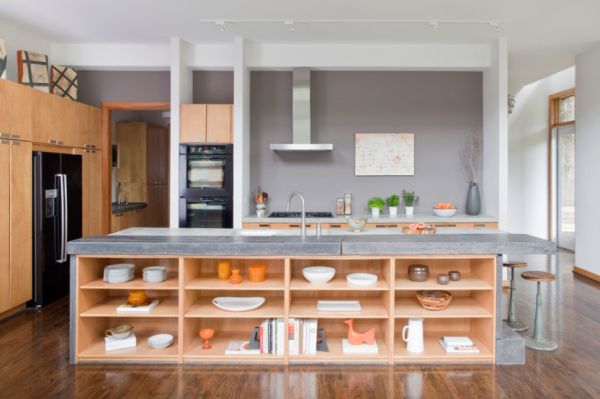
<point>355,338</point>
<point>235,278</point>
<point>206,334</point>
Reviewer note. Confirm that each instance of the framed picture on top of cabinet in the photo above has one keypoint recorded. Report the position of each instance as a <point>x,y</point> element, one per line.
<point>3,58</point>
<point>33,70</point>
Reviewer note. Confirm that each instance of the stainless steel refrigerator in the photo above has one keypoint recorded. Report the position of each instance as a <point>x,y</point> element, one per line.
<point>56,220</point>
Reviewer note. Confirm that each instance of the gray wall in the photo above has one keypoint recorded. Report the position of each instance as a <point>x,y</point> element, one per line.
<point>98,86</point>
<point>441,108</point>
<point>213,87</point>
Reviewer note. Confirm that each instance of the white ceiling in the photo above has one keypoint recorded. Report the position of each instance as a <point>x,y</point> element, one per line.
<point>543,35</point>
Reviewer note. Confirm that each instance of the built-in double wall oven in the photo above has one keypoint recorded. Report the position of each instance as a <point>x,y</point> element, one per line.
<point>206,183</point>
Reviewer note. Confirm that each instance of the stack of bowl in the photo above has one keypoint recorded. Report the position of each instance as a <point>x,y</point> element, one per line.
<point>155,274</point>
<point>119,273</point>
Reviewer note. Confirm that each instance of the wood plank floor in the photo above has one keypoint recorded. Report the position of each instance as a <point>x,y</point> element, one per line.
<point>34,361</point>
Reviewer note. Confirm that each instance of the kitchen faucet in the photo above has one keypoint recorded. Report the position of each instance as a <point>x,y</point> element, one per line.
<point>303,225</point>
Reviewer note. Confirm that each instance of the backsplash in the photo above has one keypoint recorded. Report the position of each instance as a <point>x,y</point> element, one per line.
<point>440,108</point>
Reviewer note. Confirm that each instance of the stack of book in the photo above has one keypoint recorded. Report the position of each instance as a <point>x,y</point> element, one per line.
<point>458,345</point>
<point>271,336</point>
<point>302,336</point>
<point>112,343</point>
<point>146,307</point>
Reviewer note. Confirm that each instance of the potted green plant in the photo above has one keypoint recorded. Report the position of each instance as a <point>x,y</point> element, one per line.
<point>392,202</point>
<point>410,201</point>
<point>376,205</point>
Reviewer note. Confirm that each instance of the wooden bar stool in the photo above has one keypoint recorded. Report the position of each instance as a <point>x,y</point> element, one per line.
<point>537,341</point>
<point>512,321</point>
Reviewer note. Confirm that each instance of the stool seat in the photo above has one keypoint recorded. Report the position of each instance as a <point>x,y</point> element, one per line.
<point>537,275</point>
<point>515,264</point>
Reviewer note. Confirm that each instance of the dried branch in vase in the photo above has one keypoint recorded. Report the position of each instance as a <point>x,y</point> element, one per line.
<point>471,156</point>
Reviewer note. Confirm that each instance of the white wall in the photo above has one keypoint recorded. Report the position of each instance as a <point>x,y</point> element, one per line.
<point>587,187</point>
<point>528,154</point>
<point>17,38</point>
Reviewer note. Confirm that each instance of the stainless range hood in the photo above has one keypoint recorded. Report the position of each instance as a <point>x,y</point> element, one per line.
<point>301,116</point>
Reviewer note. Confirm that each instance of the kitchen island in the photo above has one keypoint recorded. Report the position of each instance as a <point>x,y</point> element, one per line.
<point>191,256</point>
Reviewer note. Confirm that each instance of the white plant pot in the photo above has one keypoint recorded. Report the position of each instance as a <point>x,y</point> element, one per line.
<point>375,212</point>
<point>410,210</point>
<point>393,211</point>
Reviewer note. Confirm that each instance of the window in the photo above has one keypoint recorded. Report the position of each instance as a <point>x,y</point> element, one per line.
<point>566,109</point>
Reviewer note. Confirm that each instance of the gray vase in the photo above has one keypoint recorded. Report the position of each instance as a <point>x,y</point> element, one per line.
<point>473,199</point>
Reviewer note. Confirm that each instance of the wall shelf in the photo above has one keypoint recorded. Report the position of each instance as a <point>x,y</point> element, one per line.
<point>168,307</point>
<point>207,283</point>
<point>458,308</point>
<point>171,283</point>
<point>273,307</point>
<point>142,352</point>
<point>465,283</point>
<point>306,308</point>
<point>338,283</point>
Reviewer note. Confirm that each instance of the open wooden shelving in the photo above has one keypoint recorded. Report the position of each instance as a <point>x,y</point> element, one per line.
<point>186,306</point>
<point>168,307</point>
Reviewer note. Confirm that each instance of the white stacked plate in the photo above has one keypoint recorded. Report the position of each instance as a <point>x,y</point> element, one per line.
<point>119,273</point>
<point>155,274</point>
<point>160,341</point>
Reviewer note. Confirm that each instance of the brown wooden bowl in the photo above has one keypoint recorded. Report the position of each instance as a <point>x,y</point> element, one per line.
<point>434,300</point>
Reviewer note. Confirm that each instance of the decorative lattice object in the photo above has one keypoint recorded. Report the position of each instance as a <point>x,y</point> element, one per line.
<point>3,58</point>
<point>33,70</point>
<point>64,81</point>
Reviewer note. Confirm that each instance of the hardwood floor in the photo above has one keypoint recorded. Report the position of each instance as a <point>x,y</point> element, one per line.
<point>34,361</point>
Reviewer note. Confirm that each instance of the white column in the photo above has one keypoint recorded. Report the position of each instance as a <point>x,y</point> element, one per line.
<point>495,134</point>
<point>241,133</point>
<point>181,93</point>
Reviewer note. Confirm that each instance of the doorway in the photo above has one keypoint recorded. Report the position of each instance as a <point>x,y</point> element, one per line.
<point>562,164</point>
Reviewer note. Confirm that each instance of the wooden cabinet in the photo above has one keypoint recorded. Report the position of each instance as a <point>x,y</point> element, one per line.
<point>15,223</point>
<point>157,154</point>
<point>206,123</point>
<point>125,220</point>
<point>91,195</point>
<point>131,173</point>
<point>53,120</point>
<point>158,206</point>
<point>15,111</point>
<point>218,123</point>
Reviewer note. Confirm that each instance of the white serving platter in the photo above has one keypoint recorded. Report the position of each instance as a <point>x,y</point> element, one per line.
<point>238,304</point>
<point>339,306</point>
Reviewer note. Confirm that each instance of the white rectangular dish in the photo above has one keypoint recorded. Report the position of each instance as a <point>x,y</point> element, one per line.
<point>339,306</point>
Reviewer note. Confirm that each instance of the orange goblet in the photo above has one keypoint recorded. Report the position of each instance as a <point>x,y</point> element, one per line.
<point>206,334</point>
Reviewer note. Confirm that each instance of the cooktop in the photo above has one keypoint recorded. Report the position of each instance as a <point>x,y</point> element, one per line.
<point>299,214</point>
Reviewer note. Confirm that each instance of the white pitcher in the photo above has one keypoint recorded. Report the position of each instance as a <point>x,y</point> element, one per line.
<point>414,338</point>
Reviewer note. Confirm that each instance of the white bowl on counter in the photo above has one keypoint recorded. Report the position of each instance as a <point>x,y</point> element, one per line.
<point>318,274</point>
<point>356,224</point>
<point>444,212</point>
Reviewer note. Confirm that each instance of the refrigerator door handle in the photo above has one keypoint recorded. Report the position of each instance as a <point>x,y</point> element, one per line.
<point>64,217</point>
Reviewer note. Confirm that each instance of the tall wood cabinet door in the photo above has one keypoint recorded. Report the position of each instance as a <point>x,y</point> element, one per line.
<point>83,125</point>
<point>20,222</point>
<point>21,112</point>
<point>96,128</point>
<point>157,158</point>
<point>192,123</point>
<point>43,127</point>
<point>65,113</point>
<point>4,225</point>
<point>95,192</point>
<point>85,184</point>
<point>218,123</point>
<point>131,173</point>
<point>5,89</point>
<point>157,212</point>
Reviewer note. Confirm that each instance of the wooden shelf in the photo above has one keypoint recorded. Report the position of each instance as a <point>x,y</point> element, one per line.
<point>372,308</point>
<point>168,307</point>
<point>338,283</point>
<point>95,351</point>
<point>464,284</point>
<point>461,307</point>
<point>273,307</point>
<point>435,352</point>
<point>207,283</point>
<point>170,283</point>
<point>219,343</point>
<point>335,354</point>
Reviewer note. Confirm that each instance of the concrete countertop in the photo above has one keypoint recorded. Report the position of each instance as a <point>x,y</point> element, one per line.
<point>230,242</point>
<point>417,218</point>
<point>130,206</point>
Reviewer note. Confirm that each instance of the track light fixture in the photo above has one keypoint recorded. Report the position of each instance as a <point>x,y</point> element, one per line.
<point>221,25</point>
<point>290,24</point>
<point>435,25</point>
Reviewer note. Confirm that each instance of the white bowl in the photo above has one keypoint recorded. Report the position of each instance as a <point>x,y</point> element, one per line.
<point>444,212</point>
<point>356,224</point>
<point>361,279</point>
<point>318,274</point>
<point>160,341</point>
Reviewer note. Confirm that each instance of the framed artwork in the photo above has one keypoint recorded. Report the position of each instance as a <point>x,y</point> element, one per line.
<point>64,81</point>
<point>33,70</point>
<point>384,154</point>
<point>3,58</point>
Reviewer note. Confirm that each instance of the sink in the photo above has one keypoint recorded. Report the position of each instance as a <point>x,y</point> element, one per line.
<point>256,233</point>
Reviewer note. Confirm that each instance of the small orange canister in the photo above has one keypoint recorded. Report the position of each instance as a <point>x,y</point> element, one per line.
<point>257,273</point>
<point>223,270</point>
<point>136,298</point>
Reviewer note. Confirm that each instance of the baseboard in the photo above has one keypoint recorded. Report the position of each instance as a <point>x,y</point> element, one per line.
<point>585,273</point>
<point>12,312</point>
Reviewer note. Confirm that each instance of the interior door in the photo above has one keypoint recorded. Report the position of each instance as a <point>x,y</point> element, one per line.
<point>565,187</point>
